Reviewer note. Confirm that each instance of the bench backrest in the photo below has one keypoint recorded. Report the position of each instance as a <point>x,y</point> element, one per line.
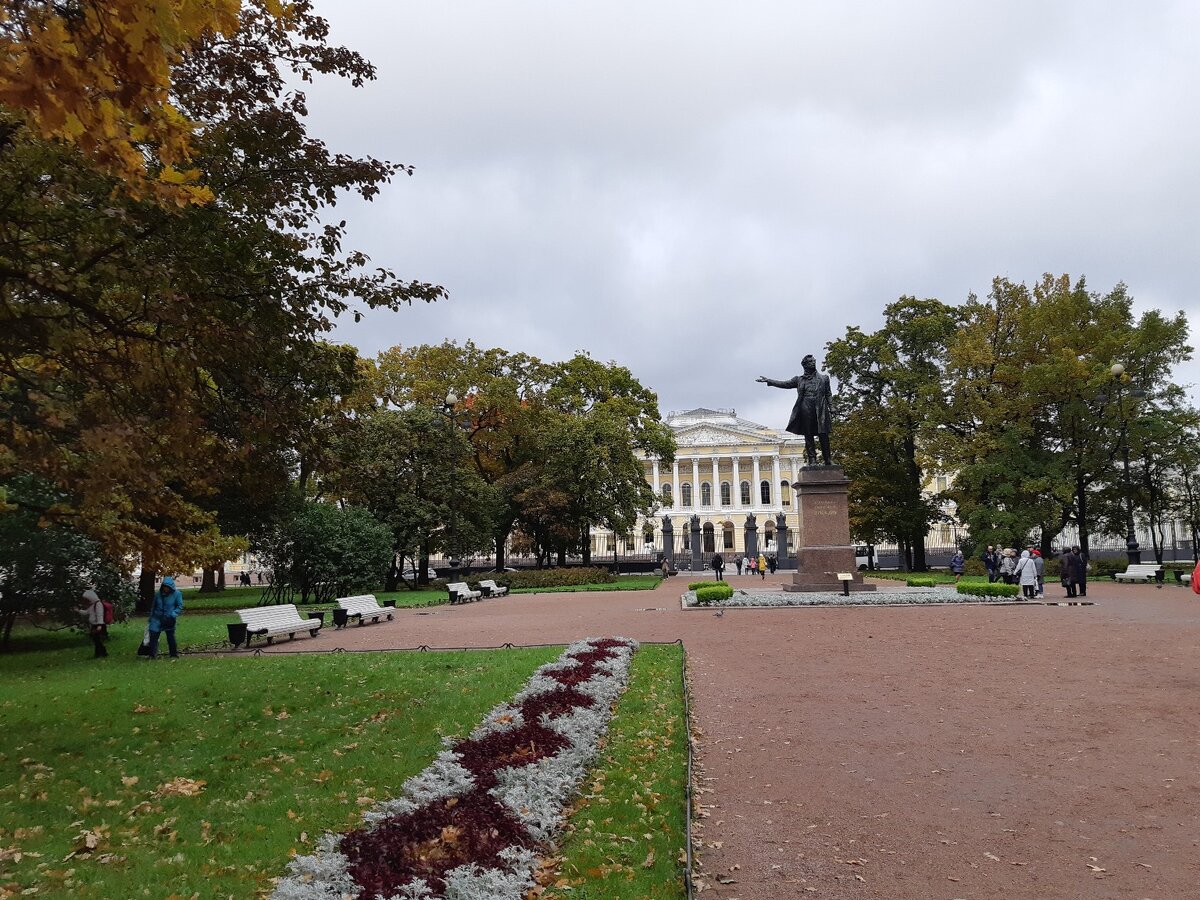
<point>356,601</point>
<point>1142,569</point>
<point>489,583</point>
<point>266,616</point>
<point>460,587</point>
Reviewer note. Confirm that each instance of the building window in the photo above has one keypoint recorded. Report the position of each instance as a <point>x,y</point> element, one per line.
<point>728,531</point>
<point>785,491</point>
<point>710,543</point>
<point>705,494</point>
<point>668,495</point>
<point>765,490</point>
<point>745,493</point>
<point>726,494</point>
<point>685,493</point>
<point>648,535</point>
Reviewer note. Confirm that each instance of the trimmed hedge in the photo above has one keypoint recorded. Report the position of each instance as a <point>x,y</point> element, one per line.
<point>920,582</point>
<point>541,578</point>
<point>696,585</point>
<point>996,589</point>
<point>713,593</point>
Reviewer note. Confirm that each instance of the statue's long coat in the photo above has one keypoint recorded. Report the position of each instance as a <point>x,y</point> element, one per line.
<point>800,423</point>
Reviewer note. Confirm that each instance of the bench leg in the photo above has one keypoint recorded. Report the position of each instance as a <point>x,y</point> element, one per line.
<point>270,639</point>
<point>315,631</point>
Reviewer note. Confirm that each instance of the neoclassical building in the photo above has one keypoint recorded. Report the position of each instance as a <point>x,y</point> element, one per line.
<point>725,469</point>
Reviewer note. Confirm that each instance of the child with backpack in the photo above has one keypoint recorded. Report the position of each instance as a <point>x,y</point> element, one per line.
<point>99,616</point>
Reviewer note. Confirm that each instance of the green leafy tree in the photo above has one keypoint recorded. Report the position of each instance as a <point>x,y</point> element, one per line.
<point>413,469</point>
<point>326,550</point>
<point>890,386</point>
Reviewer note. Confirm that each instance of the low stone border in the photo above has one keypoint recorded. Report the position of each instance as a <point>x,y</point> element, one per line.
<point>474,824</point>
<point>749,599</point>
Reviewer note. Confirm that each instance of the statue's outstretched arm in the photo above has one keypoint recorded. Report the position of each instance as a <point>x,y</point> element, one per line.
<point>790,383</point>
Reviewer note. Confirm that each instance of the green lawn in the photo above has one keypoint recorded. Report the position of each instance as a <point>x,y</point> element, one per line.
<point>200,777</point>
<point>938,577</point>
<point>241,597</point>
<point>627,835</point>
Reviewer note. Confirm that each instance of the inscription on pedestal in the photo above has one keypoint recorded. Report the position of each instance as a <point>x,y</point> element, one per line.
<point>823,544</point>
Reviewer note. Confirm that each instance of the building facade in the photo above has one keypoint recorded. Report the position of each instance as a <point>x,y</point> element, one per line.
<point>725,469</point>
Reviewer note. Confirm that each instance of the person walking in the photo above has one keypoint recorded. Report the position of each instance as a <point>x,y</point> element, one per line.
<point>666,568</point>
<point>762,566</point>
<point>1008,565</point>
<point>752,565</point>
<point>95,621</point>
<point>718,564</point>
<point>164,613</point>
<point>1069,569</point>
<point>1039,566</point>
<point>991,562</point>
<point>739,561</point>
<point>957,565</point>
<point>1026,575</point>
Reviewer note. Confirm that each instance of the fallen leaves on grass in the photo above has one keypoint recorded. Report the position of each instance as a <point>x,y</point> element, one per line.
<point>180,787</point>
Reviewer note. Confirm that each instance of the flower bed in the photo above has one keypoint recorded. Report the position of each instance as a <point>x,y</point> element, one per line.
<point>474,823</point>
<point>898,597</point>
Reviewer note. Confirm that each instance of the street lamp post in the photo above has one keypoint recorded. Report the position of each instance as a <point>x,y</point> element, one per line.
<point>1132,550</point>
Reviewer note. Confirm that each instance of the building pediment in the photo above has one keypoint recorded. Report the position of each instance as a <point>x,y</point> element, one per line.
<point>693,435</point>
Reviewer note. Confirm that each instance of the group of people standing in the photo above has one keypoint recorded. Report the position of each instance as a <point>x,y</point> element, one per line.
<point>1029,570</point>
<point>751,565</point>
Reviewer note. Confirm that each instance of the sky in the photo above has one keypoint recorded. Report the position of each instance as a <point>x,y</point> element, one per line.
<point>705,192</point>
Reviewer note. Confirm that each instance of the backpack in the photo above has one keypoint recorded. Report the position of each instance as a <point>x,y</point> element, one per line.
<point>108,612</point>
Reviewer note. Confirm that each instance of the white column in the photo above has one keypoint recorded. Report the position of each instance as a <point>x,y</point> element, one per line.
<point>775,479</point>
<point>755,490</point>
<point>675,499</point>
<point>657,486</point>
<point>737,484</point>
<point>695,482</point>
<point>717,484</point>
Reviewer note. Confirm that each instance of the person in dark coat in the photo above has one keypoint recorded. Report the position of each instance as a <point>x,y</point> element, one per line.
<point>1074,573</point>
<point>991,562</point>
<point>718,564</point>
<point>811,415</point>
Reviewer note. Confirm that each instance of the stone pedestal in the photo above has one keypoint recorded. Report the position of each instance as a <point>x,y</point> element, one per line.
<point>823,548</point>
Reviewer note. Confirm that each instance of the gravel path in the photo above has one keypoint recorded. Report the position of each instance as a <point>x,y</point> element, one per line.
<point>905,753</point>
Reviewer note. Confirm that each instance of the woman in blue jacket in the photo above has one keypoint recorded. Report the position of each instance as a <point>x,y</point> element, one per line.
<point>164,612</point>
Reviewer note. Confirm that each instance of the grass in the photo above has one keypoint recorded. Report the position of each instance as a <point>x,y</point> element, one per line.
<point>623,583</point>
<point>242,597</point>
<point>262,756</point>
<point>627,835</point>
<point>938,577</point>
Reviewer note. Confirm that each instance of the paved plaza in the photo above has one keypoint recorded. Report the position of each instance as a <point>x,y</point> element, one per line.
<point>911,753</point>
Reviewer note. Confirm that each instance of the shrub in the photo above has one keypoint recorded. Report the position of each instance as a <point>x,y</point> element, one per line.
<point>996,589</point>
<point>543,578</point>
<point>975,566</point>
<point>713,592</point>
<point>696,585</point>
<point>920,582</point>
<point>1103,568</point>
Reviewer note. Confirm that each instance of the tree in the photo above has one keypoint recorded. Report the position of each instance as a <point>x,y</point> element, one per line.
<point>412,469</point>
<point>326,550</point>
<point>1031,429</point>
<point>99,75</point>
<point>45,568</point>
<point>143,349</point>
<point>890,385</point>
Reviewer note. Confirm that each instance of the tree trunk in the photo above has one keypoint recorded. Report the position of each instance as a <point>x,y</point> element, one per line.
<point>918,555</point>
<point>501,542</point>
<point>423,564</point>
<point>562,557</point>
<point>585,540</point>
<point>208,583</point>
<point>146,591</point>
<point>9,619</point>
<point>1081,513</point>
<point>221,576</point>
<point>392,581</point>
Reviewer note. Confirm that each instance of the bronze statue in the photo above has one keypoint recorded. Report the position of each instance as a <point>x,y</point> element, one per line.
<point>811,415</point>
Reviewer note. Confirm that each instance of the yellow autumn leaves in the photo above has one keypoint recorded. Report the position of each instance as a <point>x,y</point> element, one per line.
<point>99,76</point>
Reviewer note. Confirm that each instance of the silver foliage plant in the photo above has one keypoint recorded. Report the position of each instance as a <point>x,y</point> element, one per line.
<point>536,794</point>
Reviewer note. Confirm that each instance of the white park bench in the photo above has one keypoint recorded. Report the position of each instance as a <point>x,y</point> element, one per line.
<point>1186,577</point>
<point>1140,572</point>
<point>460,592</point>
<point>364,606</point>
<point>491,589</point>
<point>270,621</point>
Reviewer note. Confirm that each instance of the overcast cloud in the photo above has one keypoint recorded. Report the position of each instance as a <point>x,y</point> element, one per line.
<point>704,192</point>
